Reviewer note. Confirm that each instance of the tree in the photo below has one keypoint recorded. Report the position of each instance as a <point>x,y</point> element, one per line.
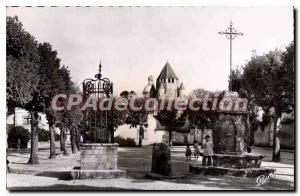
<point>168,119</point>
<point>200,118</point>
<point>73,119</point>
<point>116,119</point>
<point>34,76</point>
<point>136,118</point>
<point>63,116</point>
<point>34,107</point>
<point>49,80</point>
<point>22,76</point>
<point>268,81</point>
<point>22,64</point>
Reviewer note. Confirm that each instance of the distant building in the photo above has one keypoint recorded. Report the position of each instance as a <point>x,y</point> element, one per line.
<point>22,118</point>
<point>167,85</point>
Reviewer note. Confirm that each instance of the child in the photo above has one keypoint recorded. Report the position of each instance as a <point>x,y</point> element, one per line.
<point>196,150</point>
<point>188,153</point>
<point>208,152</point>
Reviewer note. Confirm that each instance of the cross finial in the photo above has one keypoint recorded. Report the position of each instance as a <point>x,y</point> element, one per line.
<point>99,75</point>
<point>231,32</point>
<point>100,66</point>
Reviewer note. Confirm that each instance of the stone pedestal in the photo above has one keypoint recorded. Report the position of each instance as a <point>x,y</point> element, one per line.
<point>245,172</point>
<point>246,160</point>
<point>98,160</point>
<point>161,159</point>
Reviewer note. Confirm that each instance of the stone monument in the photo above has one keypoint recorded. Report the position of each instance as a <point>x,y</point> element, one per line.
<point>161,162</point>
<point>161,159</point>
<point>230,142</point>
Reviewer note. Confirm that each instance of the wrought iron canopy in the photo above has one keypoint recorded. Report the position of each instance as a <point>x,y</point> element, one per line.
<point>98,85</point>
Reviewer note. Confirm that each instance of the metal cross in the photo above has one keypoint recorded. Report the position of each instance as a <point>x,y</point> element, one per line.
<point>230,33</point>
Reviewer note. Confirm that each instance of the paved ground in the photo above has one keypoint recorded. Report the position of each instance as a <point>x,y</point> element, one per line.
<point>55,174</point>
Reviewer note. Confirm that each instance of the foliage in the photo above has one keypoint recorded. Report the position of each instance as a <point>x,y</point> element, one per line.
<point>128,142</point>
<point>43,135</point>
<point>18,133</point>
<point>22,64</point>
<point>268,80</point>
<point>200,118</point>
<point>34,76</point>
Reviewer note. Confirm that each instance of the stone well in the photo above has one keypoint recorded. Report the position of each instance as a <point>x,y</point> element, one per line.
<point>230,144</point>
<point>98,160</point>
<point>230,156</point>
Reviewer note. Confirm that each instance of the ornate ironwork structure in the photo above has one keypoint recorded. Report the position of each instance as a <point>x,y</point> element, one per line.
<point>230,34</point>
<point>96,122</point>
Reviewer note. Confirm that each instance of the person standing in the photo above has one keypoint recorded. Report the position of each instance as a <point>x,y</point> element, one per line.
<point>208,152</point>
<point>196,150</point>
<point>188,153</point>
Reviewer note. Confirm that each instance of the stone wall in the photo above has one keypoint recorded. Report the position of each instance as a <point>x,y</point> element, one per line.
<point>286,135</point>
<point>263,135</point>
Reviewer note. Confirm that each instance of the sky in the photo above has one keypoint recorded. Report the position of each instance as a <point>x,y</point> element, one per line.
<point>135,42</point>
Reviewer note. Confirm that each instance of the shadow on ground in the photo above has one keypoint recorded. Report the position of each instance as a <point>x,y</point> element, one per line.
<point>61,175</point>
<point>63,187</point>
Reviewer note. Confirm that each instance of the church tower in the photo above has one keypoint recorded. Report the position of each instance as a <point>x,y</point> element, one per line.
<point>167,83</point>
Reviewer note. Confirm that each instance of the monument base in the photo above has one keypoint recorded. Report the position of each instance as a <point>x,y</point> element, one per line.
<point>239,161</point>
<point>155,176</point>
<point>98,160</point>
<point>245,172</point>
<point>77,173</point>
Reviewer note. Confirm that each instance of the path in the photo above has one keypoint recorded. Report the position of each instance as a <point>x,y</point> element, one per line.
<point>55,174</point>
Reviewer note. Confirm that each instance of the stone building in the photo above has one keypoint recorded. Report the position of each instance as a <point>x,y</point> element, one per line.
<point>167,85</point>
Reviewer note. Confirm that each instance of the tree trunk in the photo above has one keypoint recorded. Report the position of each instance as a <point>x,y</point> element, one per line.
<point>73,140</point>
<point>112,135</point>
<point>140,136</point>
<point>63,141</point>
<point>170,138</point>
<point>78,139</point>
<point>52,142</point>
<point>34,156</point>
<point>202,138</point>
<point>14,117</point>
<point>276,142</point>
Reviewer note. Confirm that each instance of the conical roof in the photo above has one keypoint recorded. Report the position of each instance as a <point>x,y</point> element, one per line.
<point>181,86</point>
<point>167,72</point>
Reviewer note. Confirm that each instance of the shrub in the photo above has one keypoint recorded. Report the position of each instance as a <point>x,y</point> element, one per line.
<point>43,135</point>
<point>57,137</point>
<point>18,133</point>
<point>128,142</point>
